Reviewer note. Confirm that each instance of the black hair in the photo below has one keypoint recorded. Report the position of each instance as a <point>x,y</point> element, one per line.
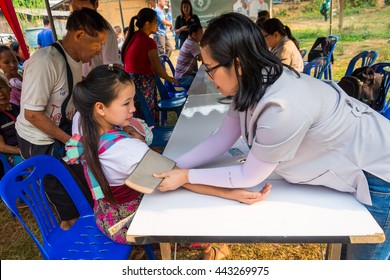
<point>87,20</point>
<point>144,15</point>
<point>46,21</point>
<point>263,14</point>
<point>273,25</point>
<point>102,84</point>
<point>194,28</point>
<point>235,38</point>
<point>188,2</point>
<point>4,48</point>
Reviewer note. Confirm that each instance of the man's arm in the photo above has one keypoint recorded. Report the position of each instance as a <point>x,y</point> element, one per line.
<point>46,125</point>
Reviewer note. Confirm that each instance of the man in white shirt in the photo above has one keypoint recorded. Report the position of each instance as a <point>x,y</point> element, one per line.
<point>45,90</point>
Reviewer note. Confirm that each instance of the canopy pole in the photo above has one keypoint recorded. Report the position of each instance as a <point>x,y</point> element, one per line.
<point>53,28</point>
<point>120,10</point>
<point>330,17</point>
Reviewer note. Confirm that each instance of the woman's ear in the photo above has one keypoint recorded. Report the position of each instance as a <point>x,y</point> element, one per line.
<point>99,109</point>
<point>237,64</point>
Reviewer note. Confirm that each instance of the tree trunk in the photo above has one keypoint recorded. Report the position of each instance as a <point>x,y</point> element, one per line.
<point>341,14</point>
<point>379,3</point>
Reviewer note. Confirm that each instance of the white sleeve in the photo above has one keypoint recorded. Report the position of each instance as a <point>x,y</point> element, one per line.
<point>247,175</point>
<point>214,146</point>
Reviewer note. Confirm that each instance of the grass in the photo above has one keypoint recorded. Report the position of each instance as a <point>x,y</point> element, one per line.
<point>364,29</point>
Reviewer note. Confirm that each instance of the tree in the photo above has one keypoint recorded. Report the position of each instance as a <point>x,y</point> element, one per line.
<point>341,13</point>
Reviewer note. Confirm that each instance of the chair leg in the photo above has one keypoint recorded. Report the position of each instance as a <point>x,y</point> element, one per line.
<point>149,252</point>
<point>163,117</point>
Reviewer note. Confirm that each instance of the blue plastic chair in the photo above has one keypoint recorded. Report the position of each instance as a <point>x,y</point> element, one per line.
<point>367,59</point>
<point>6,165</point>
<point>167,103</point>
<point>173,90</point>
<point>384,69</point>
<point>333,41</point>
<point>317,67</point>
<point>161,134</point>
<point>303,52</point>
<point>83,240</point>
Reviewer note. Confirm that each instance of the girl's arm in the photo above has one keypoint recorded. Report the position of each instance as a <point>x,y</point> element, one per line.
<point>244,196</point>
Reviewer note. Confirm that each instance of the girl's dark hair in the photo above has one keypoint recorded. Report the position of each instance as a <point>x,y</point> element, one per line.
<point>235,38</point>
<point>102,84</point>
<point>4,48</point>
<point>188,2</point>
<point>144,15</point>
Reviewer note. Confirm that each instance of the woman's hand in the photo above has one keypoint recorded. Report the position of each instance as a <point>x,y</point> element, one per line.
<point>249,197</point>
<point>172,80</point>
<point>172,179</point>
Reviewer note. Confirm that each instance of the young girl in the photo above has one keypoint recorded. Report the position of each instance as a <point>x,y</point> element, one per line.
<point>8,114</point>
<point>9,65</point>
<point>105,101</point>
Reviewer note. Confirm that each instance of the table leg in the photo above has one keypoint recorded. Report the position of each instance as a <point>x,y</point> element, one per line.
<point>333,251</point>
<point>165,249</point>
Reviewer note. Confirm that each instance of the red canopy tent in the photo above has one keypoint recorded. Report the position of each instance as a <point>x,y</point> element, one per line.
<point>9,12</point>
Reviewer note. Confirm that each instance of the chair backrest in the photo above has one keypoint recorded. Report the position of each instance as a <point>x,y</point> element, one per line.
<point>316,67</point>
<point>16,185</point>
<point>149,119</point>
<point>303,52</point>
<point>367,59</point>
<point>384,69</point>
<point>162,90</point>
<point>165,60</point>
<point>6,165</point>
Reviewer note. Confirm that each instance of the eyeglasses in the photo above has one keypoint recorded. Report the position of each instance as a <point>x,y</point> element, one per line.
<point>209,71</point>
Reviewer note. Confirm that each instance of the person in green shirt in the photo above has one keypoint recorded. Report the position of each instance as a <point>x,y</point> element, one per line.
<point>325,6</point>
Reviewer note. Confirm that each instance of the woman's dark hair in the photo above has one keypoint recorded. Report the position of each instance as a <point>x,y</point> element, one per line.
<point>273,25</point>
<point>144,15</point>
<point>235,38</point>
<point>102,84</point>
<point>188,2</point>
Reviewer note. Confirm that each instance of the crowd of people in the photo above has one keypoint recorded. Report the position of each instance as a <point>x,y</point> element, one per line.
<point>81,92</point>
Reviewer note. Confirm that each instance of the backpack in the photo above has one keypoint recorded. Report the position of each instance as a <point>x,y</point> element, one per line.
<point>366,86</point>
<point>321,47</point>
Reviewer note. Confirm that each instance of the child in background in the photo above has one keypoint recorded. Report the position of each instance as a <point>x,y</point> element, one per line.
<point>8,114</point>
<point>105,101</point>
<point>9,66</point>
<point>189,55</point>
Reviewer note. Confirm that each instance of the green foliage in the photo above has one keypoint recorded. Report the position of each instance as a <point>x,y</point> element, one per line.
<point>281,13</point>
<point>29,3</point>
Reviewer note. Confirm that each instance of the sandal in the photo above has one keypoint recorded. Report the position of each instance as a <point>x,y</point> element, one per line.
<point>216,252</point>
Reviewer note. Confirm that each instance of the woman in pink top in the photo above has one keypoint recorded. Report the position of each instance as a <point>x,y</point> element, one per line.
<point>140,58</point>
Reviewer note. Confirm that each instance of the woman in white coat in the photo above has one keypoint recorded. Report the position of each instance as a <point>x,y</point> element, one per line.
<point>306,130</point>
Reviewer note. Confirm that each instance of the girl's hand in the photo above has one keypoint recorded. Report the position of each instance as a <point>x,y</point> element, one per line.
<point>249,197</point>
<point>172,179</point>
